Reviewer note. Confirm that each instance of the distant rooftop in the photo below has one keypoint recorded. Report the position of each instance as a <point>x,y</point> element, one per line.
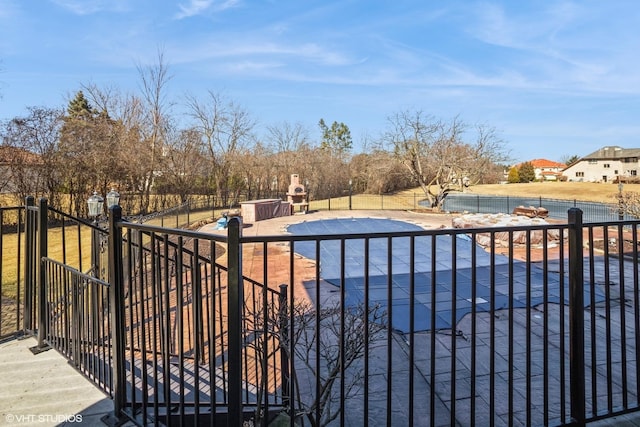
<point>544,163</point>
<point>613,152</point>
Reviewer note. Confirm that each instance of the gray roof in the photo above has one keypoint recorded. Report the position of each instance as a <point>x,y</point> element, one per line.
<point>613,152</point>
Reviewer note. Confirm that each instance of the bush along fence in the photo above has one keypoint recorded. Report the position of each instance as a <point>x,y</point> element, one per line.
<point>535,325</point>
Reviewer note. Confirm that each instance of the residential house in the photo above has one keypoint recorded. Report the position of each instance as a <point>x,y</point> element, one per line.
<point>547,170</point>
<point>607,164</point>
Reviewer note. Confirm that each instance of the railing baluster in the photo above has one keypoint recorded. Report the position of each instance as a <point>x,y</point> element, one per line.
<point>576,317</point>
<point>42,277</point>
<point>118,327</point>
<point>29,262</point>
<point>235,300</point>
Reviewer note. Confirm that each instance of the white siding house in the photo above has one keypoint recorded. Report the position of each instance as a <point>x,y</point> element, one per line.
<point>547,170</point>
<point>606,165</point>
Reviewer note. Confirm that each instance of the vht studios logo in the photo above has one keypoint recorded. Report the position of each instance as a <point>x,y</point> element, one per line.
<point>43,418</point>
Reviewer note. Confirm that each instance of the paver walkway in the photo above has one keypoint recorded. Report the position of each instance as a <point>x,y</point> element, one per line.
<point>44,390</point>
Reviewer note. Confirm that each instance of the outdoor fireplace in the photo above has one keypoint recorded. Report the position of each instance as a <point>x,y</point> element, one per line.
<point>297,194</point>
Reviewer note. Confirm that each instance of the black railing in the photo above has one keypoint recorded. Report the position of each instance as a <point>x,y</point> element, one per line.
<point>78,312</point>
<point>439,327</point>
<point>182,357</point>
<point>480,330</point>
<point>535,325</point>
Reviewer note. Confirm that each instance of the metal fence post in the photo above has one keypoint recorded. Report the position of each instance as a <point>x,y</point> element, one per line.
<point>118,326</point>
<point>576,317</point>
<point>235,300</point>
<point>283,318</point>
<point>95,250</point>
<point>43,211</point>
<point>29,262</point>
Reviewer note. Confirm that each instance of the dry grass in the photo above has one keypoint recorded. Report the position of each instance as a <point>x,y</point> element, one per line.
<point>12,266</point>
<point>584,191</point>
<point>369,201</point>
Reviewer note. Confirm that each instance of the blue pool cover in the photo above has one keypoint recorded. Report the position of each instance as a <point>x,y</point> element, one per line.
<point>398,274</point>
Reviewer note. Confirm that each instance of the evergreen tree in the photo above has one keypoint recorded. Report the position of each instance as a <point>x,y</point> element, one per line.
<point>79,107</point>
<point>527,172</point>
<point>571,160</point>
<point>514,176</point>
<point>337,138</point>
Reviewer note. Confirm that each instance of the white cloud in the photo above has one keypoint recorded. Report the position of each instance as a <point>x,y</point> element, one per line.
<point>88,7</point>
<point>254,49</point>
<point>566,45</point>
<point>197,7</point>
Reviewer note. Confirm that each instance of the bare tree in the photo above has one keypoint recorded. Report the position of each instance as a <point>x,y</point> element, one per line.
<point>378,172</point>
<point>185,169</point>
<point>342,344</point>
<point>331,338</point>
<point>257,167</point>
<point>132,145</point>
<point>627,202</point>
<point>33,141</point>
<point>286,136</point>
<point>436,154</point>
<point>286,141</point>
<point>225,129</point>
<point>155,122</point>
<point>92,141</point>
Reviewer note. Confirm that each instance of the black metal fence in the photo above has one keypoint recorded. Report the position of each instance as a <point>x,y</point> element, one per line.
<point>181,215</point>
<point>432,327</point>
<point>461,202</point>
<point>12,271</point>
<point>77,323</point>
<point>530,325</point>
<point>173,308</point>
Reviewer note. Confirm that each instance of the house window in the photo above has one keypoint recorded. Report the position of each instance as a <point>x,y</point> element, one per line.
<point>633,172</point>
<point>606,165</point>
<point>615,172</point>
<point>579,174</point>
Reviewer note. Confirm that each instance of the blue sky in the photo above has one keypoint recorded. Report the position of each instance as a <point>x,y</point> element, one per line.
<point>555,78</point>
